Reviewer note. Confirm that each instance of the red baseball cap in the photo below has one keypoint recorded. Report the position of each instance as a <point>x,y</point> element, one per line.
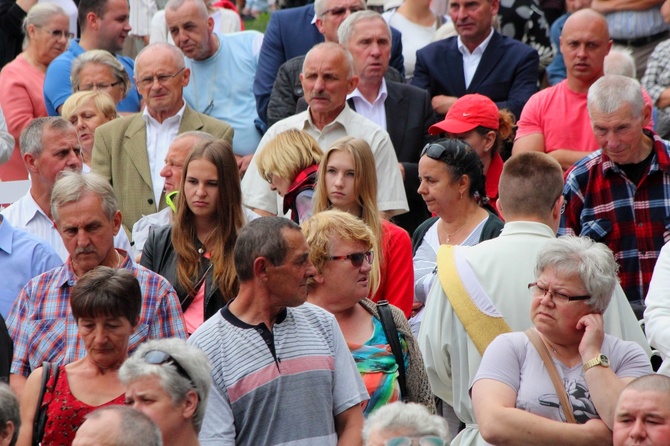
<point>467,113</point>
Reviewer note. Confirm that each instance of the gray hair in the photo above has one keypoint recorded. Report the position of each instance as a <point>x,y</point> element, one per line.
<point>101,57</point>
<point>411,419</point>
<point>178,56</point>
<point>30,140</point>
<point>173,5</point>
<point>73,186</point>
<point>347,27</point>
<point>320,6</point>
<point>591,261</point>
<point>333,47</point>
<point>39,15</point>
<point>611,92</point>
<point>135,427</point>
<point>262,237</point>
<point>9,412</point>
<point>620,61</point>
<point>190,358</point>
<point>199,135</point>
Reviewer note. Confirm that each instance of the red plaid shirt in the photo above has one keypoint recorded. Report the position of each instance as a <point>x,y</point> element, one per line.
<point>633,220</point>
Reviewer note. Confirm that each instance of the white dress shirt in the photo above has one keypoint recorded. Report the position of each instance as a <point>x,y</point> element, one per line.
<point>375,112</point>
<point>471,60</point>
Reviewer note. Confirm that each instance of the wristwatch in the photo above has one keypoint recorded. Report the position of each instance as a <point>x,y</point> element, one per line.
<point>601,360</point>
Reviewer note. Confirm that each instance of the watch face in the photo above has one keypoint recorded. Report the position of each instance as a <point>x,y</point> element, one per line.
<point>604,360</point>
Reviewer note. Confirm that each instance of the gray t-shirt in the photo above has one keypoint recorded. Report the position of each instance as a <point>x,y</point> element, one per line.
<point>513,360</point>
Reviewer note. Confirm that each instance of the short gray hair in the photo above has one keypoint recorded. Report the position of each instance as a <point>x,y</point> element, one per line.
<point>611,92</point>
<point>9,411</point>
<point>135,428</point>
<point>333,47</point>
<point>320,6</point>
<point>201,136</point>
<point>101,57</point>
<point>347,27</point>
<point>39,15</point>
<point>190,358</point>
<point>592,262</point>
<point>30,140</point>
<point>178,56</point>
<point>620,61</point>
<point>262,237</point>
<point>173,5</point>
<point>72,186</point>
<point>411,419</point>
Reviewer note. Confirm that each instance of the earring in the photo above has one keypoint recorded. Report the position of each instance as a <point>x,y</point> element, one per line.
<point>461,197</point>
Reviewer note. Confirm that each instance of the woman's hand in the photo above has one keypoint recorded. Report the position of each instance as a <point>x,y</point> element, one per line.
<point>594,334</point>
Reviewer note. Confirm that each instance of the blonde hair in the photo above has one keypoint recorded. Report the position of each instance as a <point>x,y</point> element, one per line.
<point>365,188</point>
<point>102,101</point>
<point>321,229</point>
<point>288,154</point>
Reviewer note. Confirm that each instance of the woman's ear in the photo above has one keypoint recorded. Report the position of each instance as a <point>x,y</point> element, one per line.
<point>190,404</point>
<point>489,140</point>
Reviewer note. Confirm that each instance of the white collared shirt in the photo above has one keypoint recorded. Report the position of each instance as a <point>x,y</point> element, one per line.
<point>159,137</point>
<point>471,60</point>
<point>375,112</point>
<point>27,215</point>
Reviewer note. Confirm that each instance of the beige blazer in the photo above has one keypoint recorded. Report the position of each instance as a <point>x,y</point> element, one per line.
<point>120,155</point>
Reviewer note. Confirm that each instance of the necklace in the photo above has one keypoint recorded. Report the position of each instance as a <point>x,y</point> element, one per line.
<point>459,229</point>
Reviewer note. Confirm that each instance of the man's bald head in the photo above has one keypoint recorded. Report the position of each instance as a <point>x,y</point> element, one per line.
<point>585,42</point>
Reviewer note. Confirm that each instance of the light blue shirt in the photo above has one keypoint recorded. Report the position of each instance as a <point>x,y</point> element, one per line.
<point>635,24</point>
<point>222,87</point>
<point>22,257</point>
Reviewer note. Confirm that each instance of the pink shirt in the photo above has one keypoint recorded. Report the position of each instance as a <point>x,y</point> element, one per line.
<point>21,100</point>
<point>561,115</point>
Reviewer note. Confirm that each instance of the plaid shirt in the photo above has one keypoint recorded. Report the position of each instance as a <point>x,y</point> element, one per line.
<point>634,221</point>
<point>43,329</point>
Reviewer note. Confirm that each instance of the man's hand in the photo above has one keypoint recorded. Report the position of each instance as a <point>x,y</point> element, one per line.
<point>243,163</point>
<point>441,103</point>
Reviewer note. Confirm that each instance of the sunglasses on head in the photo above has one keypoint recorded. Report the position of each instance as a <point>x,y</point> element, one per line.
<point>438,151</point>
<point>426,440</point>
<point>356,258</point>
<point>158,357</point>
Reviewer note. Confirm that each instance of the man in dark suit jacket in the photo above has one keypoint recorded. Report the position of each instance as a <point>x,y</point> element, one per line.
<point>506,70</point>
<point>406,110</point>
<point>293,32</point>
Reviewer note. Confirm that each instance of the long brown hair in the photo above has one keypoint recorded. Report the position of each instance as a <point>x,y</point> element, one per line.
<point>229,218</point>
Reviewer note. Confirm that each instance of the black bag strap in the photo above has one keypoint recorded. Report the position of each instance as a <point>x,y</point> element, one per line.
<point>391,332</point>
<point>40,420</point>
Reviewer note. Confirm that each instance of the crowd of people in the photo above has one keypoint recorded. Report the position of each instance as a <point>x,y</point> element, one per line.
<point>423,226</point>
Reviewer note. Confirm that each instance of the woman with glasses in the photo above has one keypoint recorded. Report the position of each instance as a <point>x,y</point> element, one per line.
<point>47,30</point>
<point>195,253</point>
<point>88,110</point>
<point>405,424</point>
<point>169,380</point>
<point>514,398</point>
<point>342,251</point>
<point>348,182</point>
<point>452,185</point>
<point>100,70</point>
<point>106,305</point>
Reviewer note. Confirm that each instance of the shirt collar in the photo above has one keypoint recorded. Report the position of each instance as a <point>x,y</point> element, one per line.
<point>149,120</point>
<point>340,119</point>
<point>67,274</point>
<point>479,50</point>
<point>382,94</point>
<point>30,210</point>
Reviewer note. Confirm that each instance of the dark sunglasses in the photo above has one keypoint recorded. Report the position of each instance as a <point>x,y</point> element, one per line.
<point>158,357</point>
<point>356,258</point>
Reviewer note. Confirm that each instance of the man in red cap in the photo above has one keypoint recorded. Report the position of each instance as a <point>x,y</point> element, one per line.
<point>475,119</point>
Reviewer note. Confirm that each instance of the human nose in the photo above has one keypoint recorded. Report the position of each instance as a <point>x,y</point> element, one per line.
<point>422,190</point>
<point>311,270</point>
<point>319,83</point>
<point>545,296</point>
<point>80,121</point>
<point>166,171</point>
<point>74,159</point>
<point>638,430</point>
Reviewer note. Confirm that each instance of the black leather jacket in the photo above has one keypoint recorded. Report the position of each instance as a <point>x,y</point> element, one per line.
<point>159,256</point>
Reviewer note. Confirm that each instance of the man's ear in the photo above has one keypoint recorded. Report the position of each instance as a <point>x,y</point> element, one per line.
<point>30,162</point>
<point>261,267</point>
<point>353,83</point>
<point>498,205</point>
<point>319,25</point>
<point>117,219</point>
<point>190,404</point>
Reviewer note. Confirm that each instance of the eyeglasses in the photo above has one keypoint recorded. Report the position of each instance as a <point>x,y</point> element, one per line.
<point>340,10</point>
<point>160,78</point>
<point>356,258</point>
<point>538,291</point>
<point>59,33</point>
<point>426,440</point>
<point>434,151</point>
<point>158,357</point>
<point>100,86</point>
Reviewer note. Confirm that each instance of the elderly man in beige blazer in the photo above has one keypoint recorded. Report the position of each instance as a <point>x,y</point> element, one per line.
<point>130,151</point>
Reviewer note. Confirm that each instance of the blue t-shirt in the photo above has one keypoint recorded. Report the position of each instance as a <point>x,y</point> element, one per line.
<point>57,86</point>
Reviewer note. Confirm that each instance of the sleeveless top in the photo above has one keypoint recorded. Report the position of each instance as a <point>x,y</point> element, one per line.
<point>66,413</point>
